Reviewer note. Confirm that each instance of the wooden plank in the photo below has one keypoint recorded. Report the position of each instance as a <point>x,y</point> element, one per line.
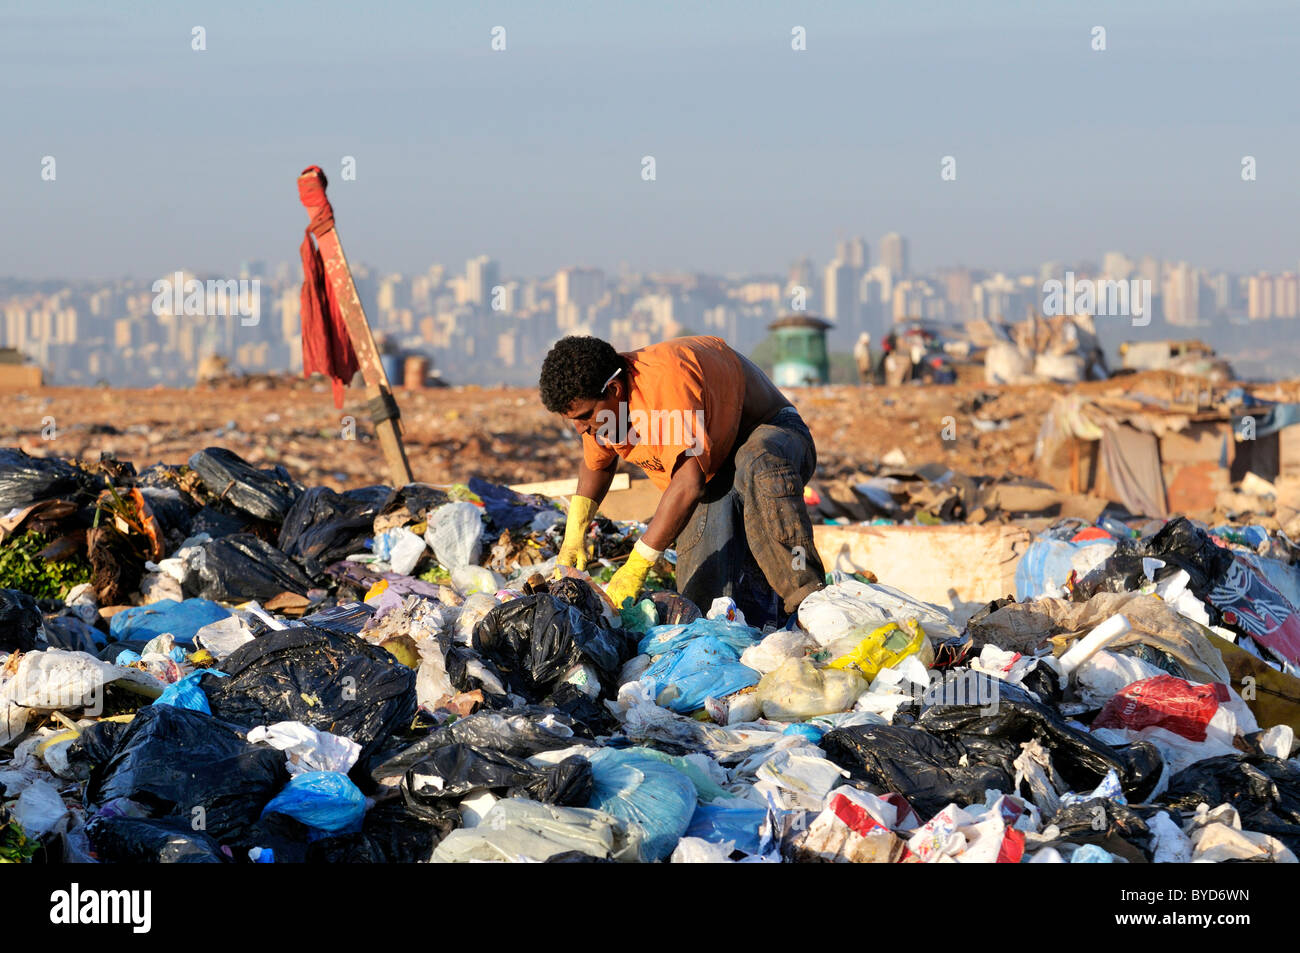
<point>567,487</point>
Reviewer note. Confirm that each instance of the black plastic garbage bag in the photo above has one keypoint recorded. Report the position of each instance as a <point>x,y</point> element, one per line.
<point>454,771</point>
<point>323,526</point>
<point>581,596</point>
<point>286,837</point>
<point>216,524</point>
<point>267,494</point>
<point>1179,544</point>
<point>25,479</point>
<point>1042,680</point>
<point>674,609</point>
<point>590,717</point>
<point>518,733</point>
<point>96,743</point>
<point>535,640</point>
<point>69,633</point>
<point>328,680</point>
<point>187,765</point>
<point>20,621</point>
<point>930,771</point>
<point>1114,827</point>
<point>240,567</point>
<point>135,840</point>
<point>1002,712</point>
<point>1254,785</point>
<point>113,649</point>
<point>390,834</point>
<point>568,784</point>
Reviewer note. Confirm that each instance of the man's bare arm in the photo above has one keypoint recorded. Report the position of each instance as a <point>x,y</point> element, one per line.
<point>594,484</point>
<point>684,492</point>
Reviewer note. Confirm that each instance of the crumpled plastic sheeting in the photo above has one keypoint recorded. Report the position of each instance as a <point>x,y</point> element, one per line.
<point>307,749</point>
<point>517,829</point>
<point>839,610</point>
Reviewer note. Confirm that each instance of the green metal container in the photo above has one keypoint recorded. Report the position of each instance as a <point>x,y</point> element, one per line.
<point>801,357</point>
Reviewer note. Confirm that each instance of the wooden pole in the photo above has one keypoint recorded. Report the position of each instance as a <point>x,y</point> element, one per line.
<point>383,409</point>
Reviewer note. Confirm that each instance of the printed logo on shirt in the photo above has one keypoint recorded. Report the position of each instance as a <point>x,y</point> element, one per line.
<point>651,464</point>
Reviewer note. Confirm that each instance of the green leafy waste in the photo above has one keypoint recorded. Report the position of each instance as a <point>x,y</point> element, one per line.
<point>22,568</point>
<point>435,574</point>
<point>15,846</point>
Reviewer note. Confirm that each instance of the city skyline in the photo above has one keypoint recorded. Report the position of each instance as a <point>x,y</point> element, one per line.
<point>483,323</point>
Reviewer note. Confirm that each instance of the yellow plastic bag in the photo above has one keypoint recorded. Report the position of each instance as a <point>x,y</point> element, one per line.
<point>885,647</point>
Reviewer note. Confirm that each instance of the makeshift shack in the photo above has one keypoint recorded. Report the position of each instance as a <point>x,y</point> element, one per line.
<point>1163,456</point>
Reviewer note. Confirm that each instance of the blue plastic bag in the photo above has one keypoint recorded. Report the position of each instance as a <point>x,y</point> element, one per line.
<point>186,693</point>
<point>1091,854</point>
<point>181,619</point>
<point>662,639</point>
<point>736,821</point>
<point>811,732</point>
<point>1047,564</point>
<point>645,793</point>
<point>324,800</point>
<point>703,668</point>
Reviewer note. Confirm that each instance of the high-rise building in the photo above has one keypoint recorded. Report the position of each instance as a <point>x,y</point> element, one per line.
<point>802,276</point>
<point>841,295</point>
<point>957,285</point>
<point>576,291</point>
<point>1259,297</point>
<point>1285,303</point>
<point>1220,288</point>
<point>394,293</point>
<point>1182,294</point>
<point>482,274</point>
<point>1116,265</point>
<point>853,252</point>
<point>894,254</point>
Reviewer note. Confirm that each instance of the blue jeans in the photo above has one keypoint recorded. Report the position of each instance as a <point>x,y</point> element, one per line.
<point>750,538</point>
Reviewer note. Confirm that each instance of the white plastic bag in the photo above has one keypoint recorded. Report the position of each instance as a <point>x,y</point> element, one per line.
<point>776,648</point>
<point>306,748</point>
<point>851,606</point>
<point>453,535</point>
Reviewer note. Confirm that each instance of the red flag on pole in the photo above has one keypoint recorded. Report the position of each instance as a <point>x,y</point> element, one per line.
<point>326,347</point>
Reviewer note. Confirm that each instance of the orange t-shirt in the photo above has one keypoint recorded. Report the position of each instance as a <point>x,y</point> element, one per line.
<point>685,397</point>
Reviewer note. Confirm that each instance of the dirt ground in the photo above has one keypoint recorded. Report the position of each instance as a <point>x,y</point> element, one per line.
<point>507,436</point>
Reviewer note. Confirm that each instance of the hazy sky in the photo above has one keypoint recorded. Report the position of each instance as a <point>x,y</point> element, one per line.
<point>171,158</point>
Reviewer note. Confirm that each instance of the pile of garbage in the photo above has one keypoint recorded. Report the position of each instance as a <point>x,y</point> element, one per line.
<point>932,494</point>
<point>401,674</point>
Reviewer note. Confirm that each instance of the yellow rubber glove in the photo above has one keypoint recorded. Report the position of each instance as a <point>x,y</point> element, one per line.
<point>627,582</point>
<point>573,551</point>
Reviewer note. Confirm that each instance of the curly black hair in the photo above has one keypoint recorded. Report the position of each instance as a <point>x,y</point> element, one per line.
<point>576,369</point>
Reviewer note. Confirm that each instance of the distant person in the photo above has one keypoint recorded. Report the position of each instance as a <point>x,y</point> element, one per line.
<point>862,355</point>
<point>729,452</point>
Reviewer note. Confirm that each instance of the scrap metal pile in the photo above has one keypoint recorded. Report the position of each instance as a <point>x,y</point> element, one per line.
<point>213,663</point>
